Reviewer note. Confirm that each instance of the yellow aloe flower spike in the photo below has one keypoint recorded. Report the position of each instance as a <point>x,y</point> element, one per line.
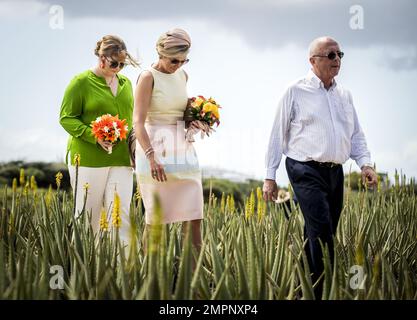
<point>77,159</point>
<point>104,224</point>
<point>58,178</point>
<point>116,215</point>
<point>22,177</point>
<point>14,185</point>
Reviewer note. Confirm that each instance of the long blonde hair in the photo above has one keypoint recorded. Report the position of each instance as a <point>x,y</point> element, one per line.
<point>111,46</point>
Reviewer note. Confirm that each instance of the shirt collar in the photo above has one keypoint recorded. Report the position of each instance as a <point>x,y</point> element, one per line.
<point>316,82</point>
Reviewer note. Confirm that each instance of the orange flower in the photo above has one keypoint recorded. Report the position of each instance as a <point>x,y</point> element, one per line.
<point>198,101</point>
<point>109,128</point>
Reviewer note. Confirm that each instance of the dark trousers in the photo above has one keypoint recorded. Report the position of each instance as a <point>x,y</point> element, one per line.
<point>319,191</point>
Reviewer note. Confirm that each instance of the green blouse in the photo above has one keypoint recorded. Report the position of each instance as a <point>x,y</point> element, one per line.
<point>87,97</point>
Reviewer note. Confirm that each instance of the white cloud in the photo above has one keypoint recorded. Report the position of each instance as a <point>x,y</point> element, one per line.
<point>410,152</point>
<point>247,80</point>
<point>35,144</point>
<point>22,9</point>
<point>402,158</point>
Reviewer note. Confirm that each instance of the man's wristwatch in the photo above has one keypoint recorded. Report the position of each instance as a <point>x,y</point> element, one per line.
<point>367,165</point>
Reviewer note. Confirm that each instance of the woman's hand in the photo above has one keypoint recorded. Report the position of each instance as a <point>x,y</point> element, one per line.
<point>106,145</point>
<point>157,170</point>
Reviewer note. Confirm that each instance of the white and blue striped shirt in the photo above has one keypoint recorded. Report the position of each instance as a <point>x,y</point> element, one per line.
<point>313,123</point>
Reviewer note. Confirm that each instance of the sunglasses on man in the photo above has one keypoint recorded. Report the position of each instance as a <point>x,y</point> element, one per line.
<point>115,64</point>
<point>332,55</point>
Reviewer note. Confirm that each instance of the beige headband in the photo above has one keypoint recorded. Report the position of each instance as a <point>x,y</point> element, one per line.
<point>173,42</point>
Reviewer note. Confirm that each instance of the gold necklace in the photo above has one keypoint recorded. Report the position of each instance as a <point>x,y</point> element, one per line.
<point>111,81</point>
<point>100,74</point>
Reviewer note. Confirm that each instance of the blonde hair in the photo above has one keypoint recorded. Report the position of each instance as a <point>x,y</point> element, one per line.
<point>111,46</point>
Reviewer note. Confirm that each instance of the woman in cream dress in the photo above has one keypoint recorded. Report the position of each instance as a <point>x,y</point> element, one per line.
<point>166,164</point>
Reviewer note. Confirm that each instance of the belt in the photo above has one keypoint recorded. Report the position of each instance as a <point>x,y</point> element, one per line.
<point>327,164</point>
<point>319,164</point>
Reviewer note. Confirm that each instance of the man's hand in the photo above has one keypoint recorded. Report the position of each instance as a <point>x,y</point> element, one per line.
<point>270,190</point>
<point>369,177</point>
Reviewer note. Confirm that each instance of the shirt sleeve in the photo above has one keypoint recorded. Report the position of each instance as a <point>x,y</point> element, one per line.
<point>359,151</point>
<point>278,134</point>
<point>70,114</point>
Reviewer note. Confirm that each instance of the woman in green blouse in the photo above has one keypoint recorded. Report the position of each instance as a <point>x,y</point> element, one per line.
<point>90,94</point>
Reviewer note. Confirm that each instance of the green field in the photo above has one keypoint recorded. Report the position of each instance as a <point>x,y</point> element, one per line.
<point>249,252</point>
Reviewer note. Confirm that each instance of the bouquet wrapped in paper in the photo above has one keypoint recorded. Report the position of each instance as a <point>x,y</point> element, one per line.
<point>109,128</point>
<point>283,196</point>
<point>202,114</point>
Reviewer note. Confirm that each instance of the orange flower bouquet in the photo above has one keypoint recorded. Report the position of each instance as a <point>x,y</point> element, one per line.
<point>109,128</point>
<point>202,114</point>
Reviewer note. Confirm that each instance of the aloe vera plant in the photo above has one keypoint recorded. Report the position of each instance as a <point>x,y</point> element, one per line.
<point>248,252</point>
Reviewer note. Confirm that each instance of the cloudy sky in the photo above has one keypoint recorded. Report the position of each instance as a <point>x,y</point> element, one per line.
<point>244,53</point>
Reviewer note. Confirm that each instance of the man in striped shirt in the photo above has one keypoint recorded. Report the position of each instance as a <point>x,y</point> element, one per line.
<point>317,128</point>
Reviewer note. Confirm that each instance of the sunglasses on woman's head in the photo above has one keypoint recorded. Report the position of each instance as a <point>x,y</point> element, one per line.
<point>115,64</point>
<point>332,55</point>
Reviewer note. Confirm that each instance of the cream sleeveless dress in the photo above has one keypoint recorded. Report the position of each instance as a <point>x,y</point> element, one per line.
<point>181,196</point>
